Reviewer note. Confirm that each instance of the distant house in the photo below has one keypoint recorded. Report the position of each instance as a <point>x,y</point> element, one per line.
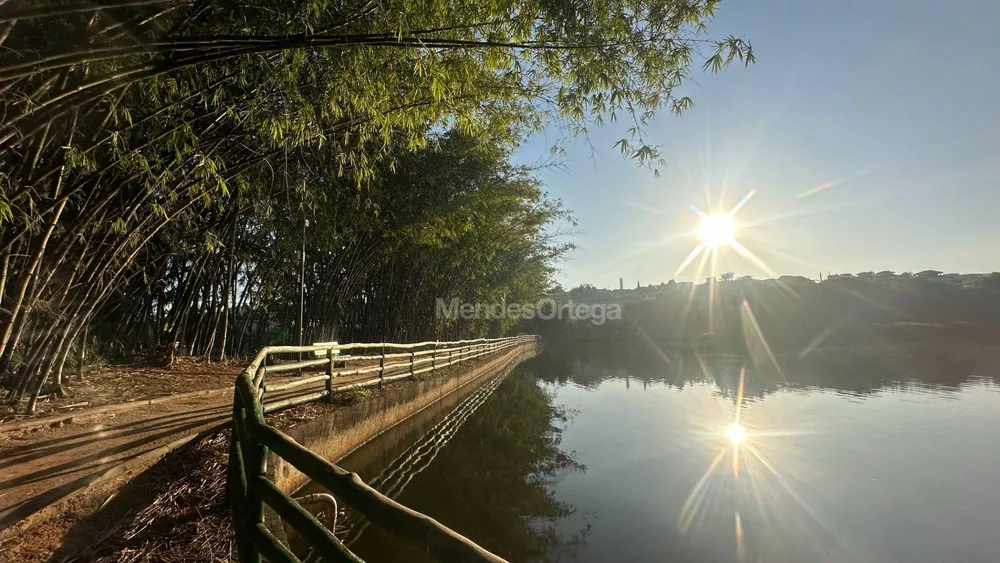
<point>928,274</point>
<point>839,277</point>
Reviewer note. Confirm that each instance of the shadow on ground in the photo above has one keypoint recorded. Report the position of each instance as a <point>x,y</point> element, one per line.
<point>81,459</point>
<point>174,510</point>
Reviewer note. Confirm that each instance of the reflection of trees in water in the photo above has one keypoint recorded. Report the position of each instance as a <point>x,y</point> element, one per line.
<point>394,477</point>
<point>854,369</point>
<point>848,335</point>
<point>502,460</point>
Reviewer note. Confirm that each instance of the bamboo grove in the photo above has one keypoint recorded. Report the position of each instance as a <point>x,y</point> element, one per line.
<point>159,159</point>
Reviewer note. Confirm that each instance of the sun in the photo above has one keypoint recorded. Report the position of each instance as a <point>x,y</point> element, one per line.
<point>736,434</point>
<point>717,230</point>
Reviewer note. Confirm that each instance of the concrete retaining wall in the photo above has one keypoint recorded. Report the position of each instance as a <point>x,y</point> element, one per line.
<point>340,431</point>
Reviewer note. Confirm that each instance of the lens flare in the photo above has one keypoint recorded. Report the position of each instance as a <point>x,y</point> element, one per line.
<point>716,230</point>
<point>736,434</point>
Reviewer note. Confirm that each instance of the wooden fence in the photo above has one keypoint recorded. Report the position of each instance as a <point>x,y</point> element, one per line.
<point>250,489</point>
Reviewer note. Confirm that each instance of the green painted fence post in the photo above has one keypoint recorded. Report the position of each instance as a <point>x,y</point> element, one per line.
<point>239,489</point>
<point>255,467</point>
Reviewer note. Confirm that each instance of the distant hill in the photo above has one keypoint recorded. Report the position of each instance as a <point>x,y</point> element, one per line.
<point>793,314</point>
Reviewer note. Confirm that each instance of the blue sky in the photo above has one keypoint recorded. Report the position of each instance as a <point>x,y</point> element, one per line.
<point>896,101</point>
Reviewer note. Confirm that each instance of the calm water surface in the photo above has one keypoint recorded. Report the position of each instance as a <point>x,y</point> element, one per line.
<point>579,457</point>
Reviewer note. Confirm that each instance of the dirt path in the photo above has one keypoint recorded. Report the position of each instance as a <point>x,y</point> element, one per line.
<point>41,466</point>
<point>122,383</point>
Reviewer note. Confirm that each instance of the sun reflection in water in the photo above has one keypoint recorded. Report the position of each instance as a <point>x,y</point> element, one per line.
<point>749,477</point>
<point>736,434</point>
<point>772,473</point>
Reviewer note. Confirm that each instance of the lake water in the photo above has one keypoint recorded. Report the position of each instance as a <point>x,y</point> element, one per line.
<point>890,454</point>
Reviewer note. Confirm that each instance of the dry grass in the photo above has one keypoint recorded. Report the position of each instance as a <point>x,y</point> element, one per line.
<point>188,520</point>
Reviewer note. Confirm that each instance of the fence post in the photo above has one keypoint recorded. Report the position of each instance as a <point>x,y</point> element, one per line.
<point>381,367</point>
<point>254,466</point>
<point>412,353</point>
<point>329,373</point>
<point>239,487</point>
<point>261,373</point>
<point>434,357</point>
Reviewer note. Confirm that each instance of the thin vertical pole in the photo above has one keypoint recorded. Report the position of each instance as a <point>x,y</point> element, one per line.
<point>302,286</point>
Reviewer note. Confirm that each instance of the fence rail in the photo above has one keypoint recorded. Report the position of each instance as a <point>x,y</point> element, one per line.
<point>250,489</point>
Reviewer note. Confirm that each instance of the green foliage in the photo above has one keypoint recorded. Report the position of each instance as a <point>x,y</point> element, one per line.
<point>352,78</point>
<point>352,396</point>
<point>453,220</point>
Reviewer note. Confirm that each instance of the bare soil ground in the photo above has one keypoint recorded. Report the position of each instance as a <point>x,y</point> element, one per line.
<point>123,383</point>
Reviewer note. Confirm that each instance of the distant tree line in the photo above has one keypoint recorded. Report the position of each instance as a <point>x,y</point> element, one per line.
<point>797,316</point>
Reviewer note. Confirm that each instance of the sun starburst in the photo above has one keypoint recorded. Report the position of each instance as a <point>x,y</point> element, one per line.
<point>736,434</point>
<point>719,230</point>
